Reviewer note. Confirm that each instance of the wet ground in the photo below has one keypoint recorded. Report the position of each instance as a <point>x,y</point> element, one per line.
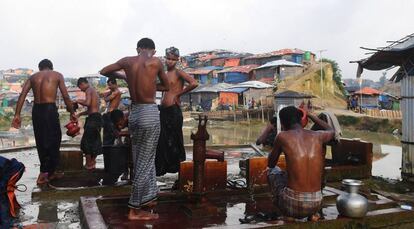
<point>64,214</point>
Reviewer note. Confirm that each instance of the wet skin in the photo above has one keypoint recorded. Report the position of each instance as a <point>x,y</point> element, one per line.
<point>91,100</point>
<point>176,79</point>
<point>44,85</point>
<point>114,97</point>
<point>140,73</point>
<point>304,155</point>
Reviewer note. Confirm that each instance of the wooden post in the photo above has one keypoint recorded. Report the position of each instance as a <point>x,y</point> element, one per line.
<point>248,117</point>
<point>263,116</point>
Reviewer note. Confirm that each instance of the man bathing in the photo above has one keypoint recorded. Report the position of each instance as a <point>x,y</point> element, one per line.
<point>45,116</point>
<point>297,192</point>
<point>91,143</point>
<point>144,122</point>
<point>170,150</point>
<point>113,97</point>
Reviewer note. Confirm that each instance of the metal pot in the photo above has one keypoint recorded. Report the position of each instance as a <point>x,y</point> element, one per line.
<point>351,204</point>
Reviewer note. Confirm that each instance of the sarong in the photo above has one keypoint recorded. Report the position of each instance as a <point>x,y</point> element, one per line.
<point>144,128</point>
<point>91,143</point>
<point>292,203</point>
<point>108,129</point>
<point>170,149</point>
<point>48,135</point>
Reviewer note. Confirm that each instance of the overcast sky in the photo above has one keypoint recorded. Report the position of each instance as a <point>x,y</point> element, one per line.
<point>82,36</point>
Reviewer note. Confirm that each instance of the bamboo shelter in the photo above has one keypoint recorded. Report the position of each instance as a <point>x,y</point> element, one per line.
<point>400,54</point>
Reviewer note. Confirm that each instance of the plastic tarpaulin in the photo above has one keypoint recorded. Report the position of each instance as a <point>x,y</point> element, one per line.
<point>229,98</point>
<point>235,77</point>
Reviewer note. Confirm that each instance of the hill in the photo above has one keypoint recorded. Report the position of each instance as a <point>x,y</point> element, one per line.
<point>310,82</point>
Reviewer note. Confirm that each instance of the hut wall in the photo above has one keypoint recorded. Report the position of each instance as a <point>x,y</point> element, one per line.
<point>229,98</point>
<point>231,62</point>
<point>265,73</point>
<point>289,71</point>
<point>260,61</point>
<point>218,62</point>
<point>259,95</point>
<point>369,101</point>
<point>235,77</point>
<point>407,108</point>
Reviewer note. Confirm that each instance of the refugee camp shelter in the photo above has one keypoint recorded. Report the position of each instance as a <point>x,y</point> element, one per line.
<point>398,53</point>
<point>204,75</point>
<point>295,55</point>
<point>290,98</point>
<point>261,92</point>
<point>237,74</point>
<point>204,95</point>
<point>370,97</point>
<point>278,69</point>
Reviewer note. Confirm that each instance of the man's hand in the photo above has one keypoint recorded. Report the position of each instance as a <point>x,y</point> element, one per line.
<point>73,117</point>
<point>17,122</point>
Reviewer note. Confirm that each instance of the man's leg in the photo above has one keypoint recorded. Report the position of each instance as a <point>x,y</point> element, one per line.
<point>145,126</point>
<point>39,132</point>
<point>277,180</point>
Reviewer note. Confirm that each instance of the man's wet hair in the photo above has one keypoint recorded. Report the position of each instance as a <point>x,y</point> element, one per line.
<point>116,116</point>
<point>45,63</point>
<point>290,116</point>
<point>146,43</point>
<point>82,80</point>
<point>111,80</point>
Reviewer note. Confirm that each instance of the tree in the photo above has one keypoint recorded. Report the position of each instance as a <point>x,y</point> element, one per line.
<point>337,73</point>
<point>383,78</point>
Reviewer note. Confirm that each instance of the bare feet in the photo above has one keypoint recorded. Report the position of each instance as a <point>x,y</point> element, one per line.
<point>42,179</point>
<point>90,162</point>
<point>137,214</point>
<point>314,218</point>
<point>56,175</point>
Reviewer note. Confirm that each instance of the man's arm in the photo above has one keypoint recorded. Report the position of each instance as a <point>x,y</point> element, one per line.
<point>113,70</point>
<point>262,138</point>
<point>66,98</point>
<point>16,123</point>
<point>276,151</point>
<point>82,113</point>
<point>88,99</point>
<point>329,132</point>
<point>192,83</point>
<point>112,96</point>
<point>163,86</point>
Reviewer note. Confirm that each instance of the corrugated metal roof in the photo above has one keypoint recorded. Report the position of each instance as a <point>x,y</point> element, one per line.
<point>237,90</point>
<point>211,88</point>
<point>242,69</point>
<point>203,70</point>
<point>368,91</point>
<point>280,52</point>
<point>292,94</point>
<point>279,63</point>
<point>252,84</point>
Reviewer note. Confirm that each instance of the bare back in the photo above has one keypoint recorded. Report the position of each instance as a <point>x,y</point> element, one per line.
<point>44,85</point>
<point>141,73</point>
<point>305,158</point>
<point>115,100</point>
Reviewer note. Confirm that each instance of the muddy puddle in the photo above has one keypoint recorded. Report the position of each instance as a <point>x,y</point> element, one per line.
<point>64,214</point>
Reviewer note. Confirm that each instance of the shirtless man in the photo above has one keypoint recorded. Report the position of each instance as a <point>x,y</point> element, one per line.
<point>144,122</point>
<point>45,116</point>
<point>170,150</point>
<point>91,143</point>
<point>113,97</point>
<point>297,192</point>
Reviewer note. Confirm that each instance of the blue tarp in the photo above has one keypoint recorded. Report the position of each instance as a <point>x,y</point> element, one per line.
<point>235,77</point>
<point>203,79</point>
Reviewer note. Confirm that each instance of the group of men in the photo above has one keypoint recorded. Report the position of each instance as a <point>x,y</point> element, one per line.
<point>150,138</point>
<point>157,146</point>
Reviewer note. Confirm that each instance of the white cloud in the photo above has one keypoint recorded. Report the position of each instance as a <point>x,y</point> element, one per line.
<point>81,37</point>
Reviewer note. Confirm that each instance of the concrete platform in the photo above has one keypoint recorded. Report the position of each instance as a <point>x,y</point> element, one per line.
<point>111,212</point>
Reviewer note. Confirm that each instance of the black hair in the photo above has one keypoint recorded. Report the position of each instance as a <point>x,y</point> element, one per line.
<point>82,80</point>
<point>290,116</point>
<point>45,63</point>
<point>146,43</point>
<point>116,116</point>
<point>112,80</point>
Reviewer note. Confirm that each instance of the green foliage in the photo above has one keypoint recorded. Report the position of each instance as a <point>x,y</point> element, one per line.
<point>337,73</point>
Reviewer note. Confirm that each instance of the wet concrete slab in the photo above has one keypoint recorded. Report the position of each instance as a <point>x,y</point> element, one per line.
<point>111,212</point>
